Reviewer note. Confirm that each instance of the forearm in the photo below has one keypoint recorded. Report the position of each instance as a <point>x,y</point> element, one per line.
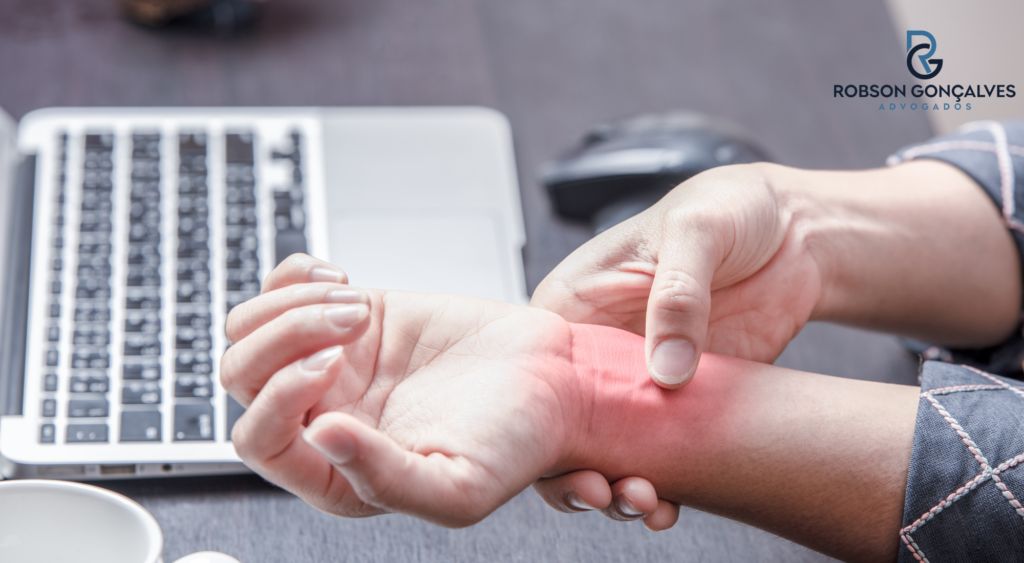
<point>819,460</point>
<point>917,249</point>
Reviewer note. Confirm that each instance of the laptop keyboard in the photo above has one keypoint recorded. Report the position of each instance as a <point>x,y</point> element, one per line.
<point>120,353</point>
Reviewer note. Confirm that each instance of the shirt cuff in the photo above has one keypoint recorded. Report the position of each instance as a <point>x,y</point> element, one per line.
<point>966,481</point>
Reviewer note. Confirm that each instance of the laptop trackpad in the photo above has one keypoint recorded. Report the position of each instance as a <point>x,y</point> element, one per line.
<point>450,251</point>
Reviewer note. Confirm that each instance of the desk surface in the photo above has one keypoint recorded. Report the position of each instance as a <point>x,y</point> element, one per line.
<point>555,68</point>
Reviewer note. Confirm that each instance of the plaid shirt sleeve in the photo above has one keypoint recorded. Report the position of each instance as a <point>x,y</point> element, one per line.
<point>993,154</point>
<point>966,481</point>
<point>966,485</point>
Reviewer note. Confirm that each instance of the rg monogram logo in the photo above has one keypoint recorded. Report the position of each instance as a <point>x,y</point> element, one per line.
<point>912,50</point>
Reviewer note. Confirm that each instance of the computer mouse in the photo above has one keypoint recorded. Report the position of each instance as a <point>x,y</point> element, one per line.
<point>621,168</point>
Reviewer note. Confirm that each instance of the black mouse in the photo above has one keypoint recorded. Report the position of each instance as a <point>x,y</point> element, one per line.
<point>621,168</point>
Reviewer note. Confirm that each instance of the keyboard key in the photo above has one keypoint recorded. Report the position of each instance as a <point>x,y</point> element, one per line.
<point>141,232</point>
<point>143,254</point>
<point>140,426</point>
<point>143,301</point>
<point>193,386</point>
<point>53,333</point>
<point>194,320</point>
<point>87,433</point>
<point>49,408</point>
<point>142,324</point>
<point>52,358</point>
<point>238,151</point>
<point>50,382</point>
<point>188,362</point>
<point>98,142</point>
<point>287,243</point>
<point>193,422</point>
<point>98,337</point>
<point>89,384</point>
<point>85,358</point>
<point>147,371</point>
<point>91,291</point>
<point>150,349</point>
<point>140,393</point>
<point>88,408</point>
<point>47,433</point>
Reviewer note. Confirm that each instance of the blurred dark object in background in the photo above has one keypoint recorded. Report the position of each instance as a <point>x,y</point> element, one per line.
<point>222,15</point>
<point>621,168</point>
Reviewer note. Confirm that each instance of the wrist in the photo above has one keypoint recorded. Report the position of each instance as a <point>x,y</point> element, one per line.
<point>809,219</point>
<point>618,408</point>
<point>917,249</point>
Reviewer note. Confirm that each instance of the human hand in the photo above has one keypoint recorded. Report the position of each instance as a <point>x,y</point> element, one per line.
<point>739,258</point>
<point>439,406</point>
<point>714,266</point>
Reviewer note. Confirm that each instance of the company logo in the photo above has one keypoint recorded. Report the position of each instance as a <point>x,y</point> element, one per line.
<point>912,50</point>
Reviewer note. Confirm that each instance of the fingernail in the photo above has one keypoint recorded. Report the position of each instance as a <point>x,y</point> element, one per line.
<point>574,500</point>
<point>346,316</point>
<point>326,275</point>
<point>626,508</point>
<point>318,362</point>
<point>338,447</point>
<point>345,296</point>
<point>672,361</point>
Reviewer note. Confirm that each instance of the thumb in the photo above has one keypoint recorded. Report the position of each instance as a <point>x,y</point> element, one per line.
<point>436,487</point>
<point>677,313</point>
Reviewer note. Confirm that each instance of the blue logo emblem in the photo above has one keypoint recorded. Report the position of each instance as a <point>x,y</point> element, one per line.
<point>926,62</point>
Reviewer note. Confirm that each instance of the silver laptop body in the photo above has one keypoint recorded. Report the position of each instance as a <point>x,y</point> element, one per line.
<point>130,234</point>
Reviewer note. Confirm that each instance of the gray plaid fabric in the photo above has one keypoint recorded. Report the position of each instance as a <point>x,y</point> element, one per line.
<point>966,479</point>
<point>965,487</point>
<point>993,154</point>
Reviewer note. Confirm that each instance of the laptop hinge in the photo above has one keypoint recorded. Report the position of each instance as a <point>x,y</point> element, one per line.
<point>15,307</point>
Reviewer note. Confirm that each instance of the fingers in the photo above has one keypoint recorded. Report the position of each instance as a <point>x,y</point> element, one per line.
<point>254,313</point>
<point>664,516</point>
<point>578,491</point>
<point>582,491</point>
<point>678,309</point>
<point>293,335</point>
<point>302,268</point>
<point>442,489</point>
<point>267,435</point>
<point>633,498</point>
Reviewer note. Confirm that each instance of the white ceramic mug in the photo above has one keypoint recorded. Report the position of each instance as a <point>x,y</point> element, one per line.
<point>55,521</point>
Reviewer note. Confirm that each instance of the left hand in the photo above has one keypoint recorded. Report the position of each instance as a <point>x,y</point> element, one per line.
<point>438,406</point>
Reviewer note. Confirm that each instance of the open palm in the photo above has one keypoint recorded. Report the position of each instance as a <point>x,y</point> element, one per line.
<point>445,406</point>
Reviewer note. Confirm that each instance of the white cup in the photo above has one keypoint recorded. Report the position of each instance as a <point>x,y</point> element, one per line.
<point>51,521</point>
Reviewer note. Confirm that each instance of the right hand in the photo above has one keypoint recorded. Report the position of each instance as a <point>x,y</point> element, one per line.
<point>717,265</point>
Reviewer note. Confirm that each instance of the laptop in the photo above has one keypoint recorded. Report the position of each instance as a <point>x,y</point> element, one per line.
<point>131,233</point>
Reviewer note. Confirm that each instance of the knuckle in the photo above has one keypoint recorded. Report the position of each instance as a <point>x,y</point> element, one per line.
<point>297,321</point>
<point>688,216</point>
<point>297,261</point>
<point>678,291</point>
<point>236,320</point>
<point>383,490</point>
<point>230,379</point>
<point>227,379</point>
<point>240,437</point>
<point>290,267</point>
